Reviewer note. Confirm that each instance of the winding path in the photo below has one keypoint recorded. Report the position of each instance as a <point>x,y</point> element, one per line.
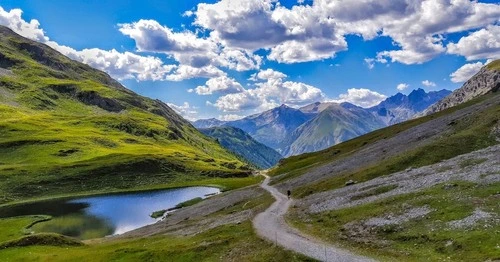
<point>271,225</point>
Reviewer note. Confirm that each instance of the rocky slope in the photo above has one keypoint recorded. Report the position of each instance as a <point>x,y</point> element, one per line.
<point>400,107</point>
<point>486,80</point>
<point>66,127</point>
<point>334,124</point>
<point>208,123</point>
<point>243,145</point>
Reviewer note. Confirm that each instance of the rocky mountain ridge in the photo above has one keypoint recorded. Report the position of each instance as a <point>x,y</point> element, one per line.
<point>486,80</point>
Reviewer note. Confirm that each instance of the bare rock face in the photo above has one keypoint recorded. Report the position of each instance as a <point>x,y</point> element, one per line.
<point>486,80</point>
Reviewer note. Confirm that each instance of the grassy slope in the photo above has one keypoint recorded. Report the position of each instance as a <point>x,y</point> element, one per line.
<point>67,128</point>
<point>242,144</point>
<point>425,239</point>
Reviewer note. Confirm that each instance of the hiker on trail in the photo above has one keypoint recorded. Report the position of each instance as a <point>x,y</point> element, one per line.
<point>288,193</point>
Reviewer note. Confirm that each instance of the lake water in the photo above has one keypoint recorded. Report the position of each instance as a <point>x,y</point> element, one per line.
<point>98,216</point>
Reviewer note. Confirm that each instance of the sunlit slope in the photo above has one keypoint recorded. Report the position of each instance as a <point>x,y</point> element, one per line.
<point>66,127</point>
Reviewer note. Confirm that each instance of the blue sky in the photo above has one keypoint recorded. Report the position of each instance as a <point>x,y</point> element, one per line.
<point>355,51</point>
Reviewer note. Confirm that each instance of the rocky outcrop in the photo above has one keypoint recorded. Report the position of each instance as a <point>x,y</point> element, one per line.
<point>486,80</point>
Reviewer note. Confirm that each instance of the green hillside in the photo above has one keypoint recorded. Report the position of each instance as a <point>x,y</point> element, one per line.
<point>242,144</point>
<point>68,128</point>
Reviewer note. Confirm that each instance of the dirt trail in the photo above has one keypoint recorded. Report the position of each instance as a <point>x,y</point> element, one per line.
<point>271,225</point>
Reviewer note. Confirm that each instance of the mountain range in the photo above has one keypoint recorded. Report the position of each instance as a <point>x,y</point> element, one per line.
<point>317,126</point>
<point>242,144</point>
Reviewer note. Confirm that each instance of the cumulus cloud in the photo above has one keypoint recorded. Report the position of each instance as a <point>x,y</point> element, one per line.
<point>185,110</point>
<point>125,65</point>
<point>183,72</point>
<point>465,72</point>
<point>428,83</point>
<point>221,84</point>
<point>267,74</point>
<point>402,86</point>
<point>361,97</point>
<point>416,27</point>
<point>294,35</point>
<point>187,48</point>
<point>482,44</point>
<point>269,92</point>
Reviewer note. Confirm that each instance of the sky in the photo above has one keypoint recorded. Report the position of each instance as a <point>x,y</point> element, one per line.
<point>232,58</point>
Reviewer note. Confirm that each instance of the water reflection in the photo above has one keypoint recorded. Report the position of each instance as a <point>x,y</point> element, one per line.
<point>98,216</point>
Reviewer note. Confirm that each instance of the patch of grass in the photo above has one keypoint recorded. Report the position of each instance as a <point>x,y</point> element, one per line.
<point>472,162</point>
<point>428,237</point>
<point>494,65</point>
<point>189,202</point>
<point>158,214</point>
<point>45,239</point>
<point>15,227</point>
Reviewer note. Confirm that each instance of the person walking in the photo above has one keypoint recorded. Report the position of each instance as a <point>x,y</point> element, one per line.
<point>288,193</point>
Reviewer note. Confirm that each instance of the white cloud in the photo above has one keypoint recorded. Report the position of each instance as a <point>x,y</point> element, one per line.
<point>428,83</point>
<point>294,35</point>
<point>370,62</point>
<point>416,27</point>
<point>482,44</point>
<point>269,93</point>
<point>221,84</point>
<point>125,65</point>
<point>230,117</point>
<point>402,86</point>
<point>185,110</point>
<point>465,72</point>
<point>184,72</point>
<point>187,48</point>
<point>361,97</point>
<point>267,74</point>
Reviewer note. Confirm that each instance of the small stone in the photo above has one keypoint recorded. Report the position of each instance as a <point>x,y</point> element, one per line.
<point>350,182</point>
<point>449,186</point>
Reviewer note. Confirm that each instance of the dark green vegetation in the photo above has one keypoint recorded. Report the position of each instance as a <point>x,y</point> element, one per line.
<point>428,238</point>
<point>160,213</point>
<point>66,128</point>
<point>44,239</point>
<point>189,202</point>
<point>243,145</point>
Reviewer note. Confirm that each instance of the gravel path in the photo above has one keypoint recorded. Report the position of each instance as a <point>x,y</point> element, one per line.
<point>271,225</point>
